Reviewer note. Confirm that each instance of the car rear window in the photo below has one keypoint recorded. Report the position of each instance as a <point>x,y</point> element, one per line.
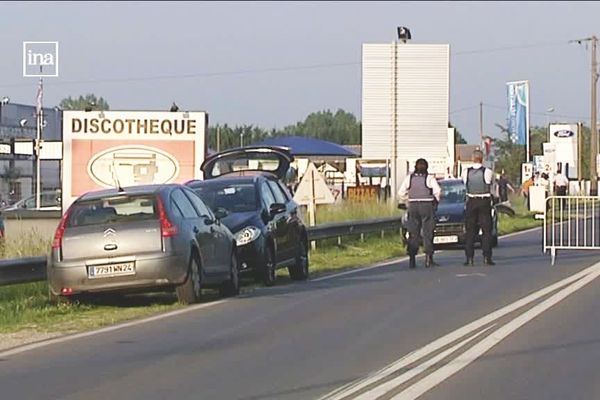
<point>246,162</point>
<point>240,197</point>
<point>113,209</point>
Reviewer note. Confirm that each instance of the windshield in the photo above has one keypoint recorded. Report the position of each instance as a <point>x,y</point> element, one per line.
<point>453,191</point>
<point>113,209</point>
<point>234,197</point>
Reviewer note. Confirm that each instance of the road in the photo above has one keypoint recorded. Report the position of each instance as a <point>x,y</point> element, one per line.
<point>465,335</point>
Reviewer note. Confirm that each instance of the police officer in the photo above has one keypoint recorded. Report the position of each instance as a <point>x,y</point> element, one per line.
<point>423,193</point>
<point>478,180</point>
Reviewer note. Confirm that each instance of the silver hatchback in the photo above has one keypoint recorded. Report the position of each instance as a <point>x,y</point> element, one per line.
<point>142,238</point>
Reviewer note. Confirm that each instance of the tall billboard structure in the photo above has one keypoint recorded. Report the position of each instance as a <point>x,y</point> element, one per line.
<point>405,95</point>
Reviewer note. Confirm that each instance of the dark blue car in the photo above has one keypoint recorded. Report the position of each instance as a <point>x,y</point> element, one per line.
<point>246,187</point>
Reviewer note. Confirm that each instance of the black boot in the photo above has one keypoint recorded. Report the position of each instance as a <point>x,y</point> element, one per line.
<point>469,262</point>
<point>488,261</point>
<point>412,262</point>
<point>429,261</point>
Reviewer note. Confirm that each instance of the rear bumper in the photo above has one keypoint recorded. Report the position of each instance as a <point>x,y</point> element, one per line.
<point>152,271</point>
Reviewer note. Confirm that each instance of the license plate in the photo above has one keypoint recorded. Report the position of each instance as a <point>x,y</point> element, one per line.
<point>445,239</point>
<point>103,271</point>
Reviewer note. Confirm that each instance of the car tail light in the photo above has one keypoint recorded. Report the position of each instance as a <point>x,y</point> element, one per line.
<point>167,229</point>
<point>60,231</point>
<point>66,291</point>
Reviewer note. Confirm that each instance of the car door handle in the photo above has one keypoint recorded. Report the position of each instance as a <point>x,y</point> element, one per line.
<point>196,230</point>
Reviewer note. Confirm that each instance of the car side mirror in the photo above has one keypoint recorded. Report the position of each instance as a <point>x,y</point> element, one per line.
<point>221,213</point>
<point>208,220</point>
<point>276,208</point>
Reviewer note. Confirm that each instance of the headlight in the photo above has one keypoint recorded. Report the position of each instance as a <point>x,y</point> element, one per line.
<point>247,235</point>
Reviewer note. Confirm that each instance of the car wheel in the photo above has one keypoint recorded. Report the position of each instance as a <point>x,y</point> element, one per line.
<point>299,271</point>
<point>231,287</point>
<point>190,291</point>
<point>267,272</point>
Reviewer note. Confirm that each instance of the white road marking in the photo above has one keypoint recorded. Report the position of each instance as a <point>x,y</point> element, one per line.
<point>473,274</point>
<point>112,328</point>
<point>408,375</point>
<point>457,334</point>
<point>508,235</point>
<point>483,346</point>
<point>357,270</point>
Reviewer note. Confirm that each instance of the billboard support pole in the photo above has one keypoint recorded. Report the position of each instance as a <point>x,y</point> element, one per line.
<point>528,155</point>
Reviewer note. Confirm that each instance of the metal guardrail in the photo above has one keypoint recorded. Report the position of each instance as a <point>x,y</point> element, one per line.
<point>22,270</point>
<point>338,229</point>
<point>33,269</point>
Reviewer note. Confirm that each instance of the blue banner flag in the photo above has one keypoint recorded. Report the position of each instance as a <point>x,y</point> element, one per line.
<point>518,118</point>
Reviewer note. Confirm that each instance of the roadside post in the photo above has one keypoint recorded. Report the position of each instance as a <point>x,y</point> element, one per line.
<point>311,191</point>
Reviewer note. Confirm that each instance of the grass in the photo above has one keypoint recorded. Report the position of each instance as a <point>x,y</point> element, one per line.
<point>25,307</point>
<point>346,211</point>
<point>521,221</point>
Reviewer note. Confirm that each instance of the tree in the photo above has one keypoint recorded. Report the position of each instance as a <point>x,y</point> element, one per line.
<point>88,103</point>
<point>340,127</point>
<point>231,137</point>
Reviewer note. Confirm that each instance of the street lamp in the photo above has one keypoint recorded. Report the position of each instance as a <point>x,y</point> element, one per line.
<point>548,111</point>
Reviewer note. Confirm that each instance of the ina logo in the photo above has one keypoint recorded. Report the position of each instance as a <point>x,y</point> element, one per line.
<point>40,59</point>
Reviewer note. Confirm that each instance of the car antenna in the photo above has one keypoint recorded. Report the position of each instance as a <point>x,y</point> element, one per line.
<point>116,178</point>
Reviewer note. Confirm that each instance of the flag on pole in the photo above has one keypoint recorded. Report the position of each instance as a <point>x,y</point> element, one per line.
<point>39,97</point>
<point>518,111</point>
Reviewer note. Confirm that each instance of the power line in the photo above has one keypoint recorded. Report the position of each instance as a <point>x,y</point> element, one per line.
<point>193,75</point>
<point>261,70</point>
<point>462,110</point>
<point>506,48</point>
<point>540,113</point>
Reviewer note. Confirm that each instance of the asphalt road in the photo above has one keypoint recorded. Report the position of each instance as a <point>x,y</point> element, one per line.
<point>305,340</point>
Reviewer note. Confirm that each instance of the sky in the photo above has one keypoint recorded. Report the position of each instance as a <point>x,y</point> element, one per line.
<point>272,63</point>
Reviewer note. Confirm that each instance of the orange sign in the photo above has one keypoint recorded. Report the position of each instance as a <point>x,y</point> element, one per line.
<point>363,193</point>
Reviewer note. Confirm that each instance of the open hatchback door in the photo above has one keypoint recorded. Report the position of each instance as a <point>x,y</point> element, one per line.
<point>271,159</point>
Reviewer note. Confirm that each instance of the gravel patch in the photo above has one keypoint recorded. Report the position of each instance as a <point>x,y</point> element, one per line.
<point>15,339</point>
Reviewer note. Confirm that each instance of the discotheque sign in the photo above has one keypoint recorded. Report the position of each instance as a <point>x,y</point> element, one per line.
<point>127,148</point>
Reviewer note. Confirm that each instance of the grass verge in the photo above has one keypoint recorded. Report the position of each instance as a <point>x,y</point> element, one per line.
<point>25,307</point>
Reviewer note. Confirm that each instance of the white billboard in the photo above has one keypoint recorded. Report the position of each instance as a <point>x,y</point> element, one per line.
<point>565,139</point>
<point>128,148</point>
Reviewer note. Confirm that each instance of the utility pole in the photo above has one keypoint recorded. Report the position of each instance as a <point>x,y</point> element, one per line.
<point>481,123</point>
<point>594,121</point>
<point>218,139</point>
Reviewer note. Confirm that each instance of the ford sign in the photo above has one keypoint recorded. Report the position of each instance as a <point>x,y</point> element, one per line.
<point>132,165</point>
<point>564,133</point>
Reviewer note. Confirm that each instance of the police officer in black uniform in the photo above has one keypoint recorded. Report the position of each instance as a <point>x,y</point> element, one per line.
<point>478,180</point>
<point>423,194</point>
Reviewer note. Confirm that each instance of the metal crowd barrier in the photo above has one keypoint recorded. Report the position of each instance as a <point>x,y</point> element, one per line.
<point>571,223</point>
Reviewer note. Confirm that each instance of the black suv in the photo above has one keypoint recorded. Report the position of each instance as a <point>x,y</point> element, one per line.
<point>246,188</point>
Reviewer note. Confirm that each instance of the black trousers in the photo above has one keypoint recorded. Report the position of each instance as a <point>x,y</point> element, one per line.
<point>420,224</point>
<point>478,215</point>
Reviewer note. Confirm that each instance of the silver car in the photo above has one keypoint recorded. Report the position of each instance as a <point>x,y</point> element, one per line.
<point>142,238</point>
